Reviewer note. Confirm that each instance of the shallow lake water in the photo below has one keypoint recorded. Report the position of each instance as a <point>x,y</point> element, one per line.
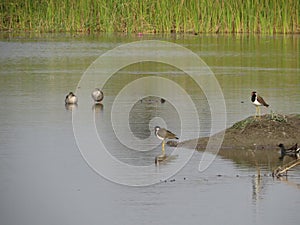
<point>49,158</point>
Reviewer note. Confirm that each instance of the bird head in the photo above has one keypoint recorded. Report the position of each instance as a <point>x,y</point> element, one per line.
<point>156,128</point>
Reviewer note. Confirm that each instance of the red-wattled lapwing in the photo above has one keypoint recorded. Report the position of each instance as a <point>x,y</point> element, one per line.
<point>258,101</point>
<point>97,95</point>
<point>71,98</point>
<point>163,134</point>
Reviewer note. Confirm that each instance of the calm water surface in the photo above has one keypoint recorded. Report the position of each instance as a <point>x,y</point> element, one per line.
<point>45,180</point>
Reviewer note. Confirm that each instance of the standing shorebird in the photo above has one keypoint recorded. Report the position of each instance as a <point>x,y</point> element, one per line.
<point>71,98</point>
<point>97,95</point>
<point>163,134</point>
<point>258,101</point>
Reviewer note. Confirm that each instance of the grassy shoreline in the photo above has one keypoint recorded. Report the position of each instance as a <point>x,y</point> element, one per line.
<point>260,134</point>
<point>148,16</point>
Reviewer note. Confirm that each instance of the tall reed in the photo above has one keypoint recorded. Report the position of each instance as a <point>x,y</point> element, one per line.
<point>151,16</point>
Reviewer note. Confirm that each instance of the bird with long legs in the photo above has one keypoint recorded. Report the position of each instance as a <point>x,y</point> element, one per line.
<point>258,101</point>
<point>163,134</point>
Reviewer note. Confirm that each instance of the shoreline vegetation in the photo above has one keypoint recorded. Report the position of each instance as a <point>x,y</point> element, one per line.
<point>256,134</point>
<point>253,142</point>
<point>148,16</point>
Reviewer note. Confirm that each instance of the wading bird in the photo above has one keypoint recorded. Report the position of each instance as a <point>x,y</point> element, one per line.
<point>163,134</point>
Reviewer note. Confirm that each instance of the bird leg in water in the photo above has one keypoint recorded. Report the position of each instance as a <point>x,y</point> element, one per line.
<point>163,147</point>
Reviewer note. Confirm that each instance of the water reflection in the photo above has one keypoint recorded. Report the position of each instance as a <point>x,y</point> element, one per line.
<point>150,112</point>
<point>144,115</point>
<point>256,188</point>
<point>71,107</point>
<point>97,108</point>
<point>259,187</point>
<point>289,182</point>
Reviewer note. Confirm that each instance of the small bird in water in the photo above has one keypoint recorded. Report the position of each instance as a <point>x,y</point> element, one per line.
<point>258,101</point>
<point>71,98</point>
<point>97,95</point>
<point>293,151</point>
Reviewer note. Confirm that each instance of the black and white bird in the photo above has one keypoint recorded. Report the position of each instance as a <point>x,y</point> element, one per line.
<point>293,151</point>
<point>97,95</point>
<point>258,101</point>
<point>71,98</point>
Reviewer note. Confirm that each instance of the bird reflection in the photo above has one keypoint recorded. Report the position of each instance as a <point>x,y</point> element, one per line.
<point>97,107</point>
<point>256,188</point>
<point>70,107</point>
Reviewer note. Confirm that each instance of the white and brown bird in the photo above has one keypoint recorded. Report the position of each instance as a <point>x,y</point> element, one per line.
<point>71,98</point>
<point>163,134</point>
<point>258,101</point>
<point>97,95</point>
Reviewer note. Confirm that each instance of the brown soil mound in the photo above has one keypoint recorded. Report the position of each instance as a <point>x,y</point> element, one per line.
<point>264,133</point>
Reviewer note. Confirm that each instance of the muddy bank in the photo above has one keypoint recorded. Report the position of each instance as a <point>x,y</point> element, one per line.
<point>265,133</point>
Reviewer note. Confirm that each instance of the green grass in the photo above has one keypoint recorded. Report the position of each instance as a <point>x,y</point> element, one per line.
<point>151,16</point>
<point>277,117</point>
<point>243,123</point>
